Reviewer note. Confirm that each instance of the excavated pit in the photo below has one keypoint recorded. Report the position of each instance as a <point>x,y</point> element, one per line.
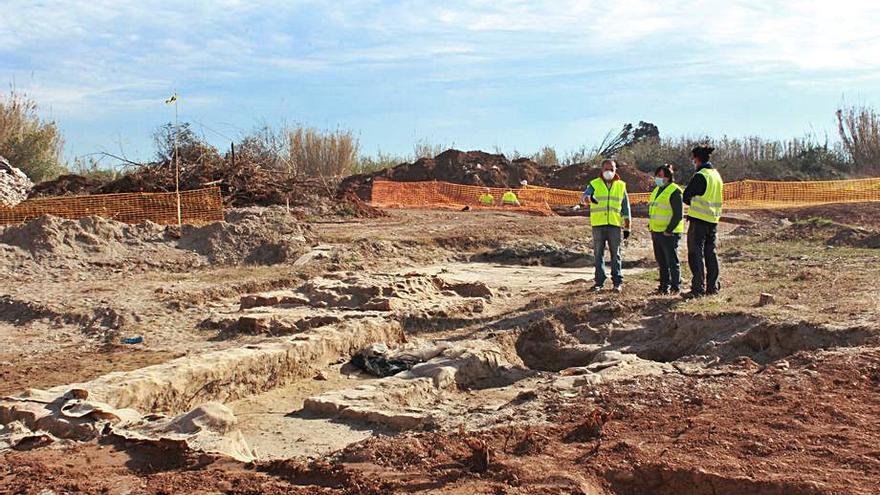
<point>557,344</point>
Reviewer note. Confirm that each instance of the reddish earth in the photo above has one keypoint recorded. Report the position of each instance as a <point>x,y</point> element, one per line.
<point>811,428</point>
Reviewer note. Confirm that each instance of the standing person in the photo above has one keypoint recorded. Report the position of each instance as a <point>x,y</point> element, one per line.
<point>610,219</point>
<point>666,225</point>
<point>704,194</point>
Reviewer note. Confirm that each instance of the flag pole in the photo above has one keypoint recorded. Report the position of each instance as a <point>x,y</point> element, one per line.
<point>177,165</point>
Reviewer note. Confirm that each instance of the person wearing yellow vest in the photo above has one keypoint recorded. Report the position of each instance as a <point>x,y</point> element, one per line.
<point>610,219</point>
<point>666,225</point>
<point>509,199</point>
<point>486,199</point>
<point>704,195</point>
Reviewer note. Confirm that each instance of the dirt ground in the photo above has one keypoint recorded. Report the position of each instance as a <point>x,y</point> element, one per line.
<point>531,384</point>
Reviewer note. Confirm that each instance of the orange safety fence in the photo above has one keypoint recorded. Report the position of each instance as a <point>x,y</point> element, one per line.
<point>740,195</point>
<point>196,206</point>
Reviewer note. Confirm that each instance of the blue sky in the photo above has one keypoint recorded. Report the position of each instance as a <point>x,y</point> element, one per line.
<point>480,74</point>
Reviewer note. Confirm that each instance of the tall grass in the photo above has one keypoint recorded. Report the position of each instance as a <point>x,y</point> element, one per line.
<point>859,129</point>
<point>315,153</point>
<point>30,143</point>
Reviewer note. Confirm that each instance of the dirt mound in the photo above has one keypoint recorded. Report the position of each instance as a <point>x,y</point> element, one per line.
<point>459,167</point>
<point>577,176</point>
<point>262,236</point>
<point>492,170</point>
<point>67,185</point>
<point>251,236</point>
<point>54,237</point>
<point>240,187</point>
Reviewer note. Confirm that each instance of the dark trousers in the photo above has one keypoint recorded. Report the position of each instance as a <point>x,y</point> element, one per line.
<point>666,254</point>
<point>701,256</point>
<point>610,235</point>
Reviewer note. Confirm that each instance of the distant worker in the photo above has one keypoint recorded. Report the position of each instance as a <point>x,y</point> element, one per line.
<point>666,225</point>
<point>486,199</point>
<point>704,194</point>
<point>610,219</point>
<point>509,199</point>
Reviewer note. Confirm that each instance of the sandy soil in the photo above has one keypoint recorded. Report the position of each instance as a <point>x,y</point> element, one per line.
<point>717,395</point>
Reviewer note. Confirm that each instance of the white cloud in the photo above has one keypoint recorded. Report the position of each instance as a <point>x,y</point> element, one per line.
<point>86,57</point>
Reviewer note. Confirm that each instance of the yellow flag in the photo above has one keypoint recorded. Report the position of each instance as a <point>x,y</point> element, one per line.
<point>172,99</point>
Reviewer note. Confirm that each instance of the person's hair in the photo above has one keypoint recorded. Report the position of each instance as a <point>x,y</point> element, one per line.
<point>667,171</point>
<point>608,160</point>
<point>702,152</point>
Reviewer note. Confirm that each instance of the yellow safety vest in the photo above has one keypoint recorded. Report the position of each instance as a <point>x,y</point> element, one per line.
<point>660,210</point>
<point>487,199</point>
<point>509,198</point>
<point>708,206</point>
<point>610,203</point>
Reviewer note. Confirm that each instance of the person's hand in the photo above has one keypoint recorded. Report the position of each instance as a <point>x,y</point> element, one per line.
<point>626,234</point>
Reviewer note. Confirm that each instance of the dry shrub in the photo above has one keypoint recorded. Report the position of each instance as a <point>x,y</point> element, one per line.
<point>315,153</point>
<point>859,129</point>
<point>30,143</point>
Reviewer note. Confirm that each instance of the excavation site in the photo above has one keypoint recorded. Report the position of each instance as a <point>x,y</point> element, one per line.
<point>275,353</point>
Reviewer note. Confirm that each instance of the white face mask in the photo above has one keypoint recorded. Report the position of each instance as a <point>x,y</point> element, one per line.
<point>608,175</point>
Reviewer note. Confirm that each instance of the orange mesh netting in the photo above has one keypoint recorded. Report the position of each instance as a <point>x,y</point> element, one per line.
<point>197,206</point>
<point>747,194</point>
<point>436,194</point>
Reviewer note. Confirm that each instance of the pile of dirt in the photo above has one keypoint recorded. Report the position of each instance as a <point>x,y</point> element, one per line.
<point>240,186</point>
<point>492,170</point>
<point>67,185</point>
<point>459,167</point>
<point>50,238</point>
<point>250,236</point>
<point>260,236</point>
<point>14,184</point>
<point>577,176</point>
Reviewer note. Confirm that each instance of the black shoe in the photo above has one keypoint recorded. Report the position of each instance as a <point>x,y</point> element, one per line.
<point>675,290</point>
<point>596,288</point>
<point>662,291</point>
<point>618,288</point>
<point>692,295</point>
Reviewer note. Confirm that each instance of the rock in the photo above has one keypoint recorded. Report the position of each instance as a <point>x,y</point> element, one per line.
<point>766,299</point>
<point>577,381</point>
<point>14,185</point>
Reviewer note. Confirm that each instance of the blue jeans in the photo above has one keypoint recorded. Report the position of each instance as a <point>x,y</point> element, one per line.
<point>612,236</point>
<point>666,254</point>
